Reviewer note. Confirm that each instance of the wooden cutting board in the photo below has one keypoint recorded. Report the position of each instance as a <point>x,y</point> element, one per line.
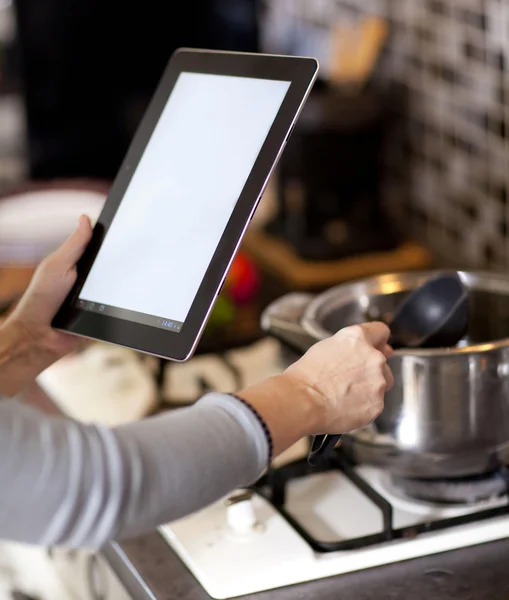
<point>13,282</point>
<point>276,257</point>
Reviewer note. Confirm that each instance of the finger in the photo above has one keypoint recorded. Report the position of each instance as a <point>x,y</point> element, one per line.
<point>387,351</point>
<point>377,334</point>
<point>389,377</point>
<point>72,249</point>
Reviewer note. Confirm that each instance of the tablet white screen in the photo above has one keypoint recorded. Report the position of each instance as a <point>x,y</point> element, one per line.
<point>181,196</point>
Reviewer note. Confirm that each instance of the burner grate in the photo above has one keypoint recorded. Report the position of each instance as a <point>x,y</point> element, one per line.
<point>463,491</point>
<point>273,488</point>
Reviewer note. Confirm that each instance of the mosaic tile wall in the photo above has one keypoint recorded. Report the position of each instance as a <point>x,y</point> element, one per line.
<point>12,113</point>
<point>452,57</point>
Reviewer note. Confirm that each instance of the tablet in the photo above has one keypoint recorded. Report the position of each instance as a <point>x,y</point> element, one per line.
<point>183,197</point>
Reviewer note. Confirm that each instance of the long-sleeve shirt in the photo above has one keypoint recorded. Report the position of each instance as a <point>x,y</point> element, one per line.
<point>72,484</point>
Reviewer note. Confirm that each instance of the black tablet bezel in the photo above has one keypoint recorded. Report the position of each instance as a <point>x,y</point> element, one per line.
<point>301,72</point>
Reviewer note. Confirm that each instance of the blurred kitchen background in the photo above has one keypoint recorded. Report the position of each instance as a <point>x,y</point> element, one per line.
<point>70,107</point>
<point>75,78</point>
<point>445,171</point>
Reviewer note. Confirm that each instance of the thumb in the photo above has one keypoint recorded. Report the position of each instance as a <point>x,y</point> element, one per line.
<point>71,250</point>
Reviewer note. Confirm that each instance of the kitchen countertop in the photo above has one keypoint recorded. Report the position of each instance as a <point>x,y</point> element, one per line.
<point>150,570</point>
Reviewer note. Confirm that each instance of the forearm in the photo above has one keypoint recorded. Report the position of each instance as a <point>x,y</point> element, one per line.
<point>81,485</point>
<point>290,409</point>
<point>197,455</point>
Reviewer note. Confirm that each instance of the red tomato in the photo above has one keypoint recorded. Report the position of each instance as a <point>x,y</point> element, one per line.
<point>242,281</point>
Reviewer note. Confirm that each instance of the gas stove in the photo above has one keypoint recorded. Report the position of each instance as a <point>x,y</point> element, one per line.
<point>298,523</point>
<point>301,523</point>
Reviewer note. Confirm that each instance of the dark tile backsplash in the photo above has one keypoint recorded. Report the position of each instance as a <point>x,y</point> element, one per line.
<point>452,58</point>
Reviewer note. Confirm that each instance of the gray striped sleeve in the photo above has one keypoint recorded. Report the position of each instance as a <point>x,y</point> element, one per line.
<point>67,483</point>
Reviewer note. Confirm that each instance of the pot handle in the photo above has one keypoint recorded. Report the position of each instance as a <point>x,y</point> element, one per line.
<point>282,320</point>
<point>322,448</point>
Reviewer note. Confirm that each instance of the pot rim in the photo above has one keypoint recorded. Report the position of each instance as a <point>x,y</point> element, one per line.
<point>396,281</point>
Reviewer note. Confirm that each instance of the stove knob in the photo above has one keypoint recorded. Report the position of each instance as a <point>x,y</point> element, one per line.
<point>240,514</point>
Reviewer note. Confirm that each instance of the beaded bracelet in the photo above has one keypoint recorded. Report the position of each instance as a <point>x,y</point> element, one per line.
<point>266,431</point>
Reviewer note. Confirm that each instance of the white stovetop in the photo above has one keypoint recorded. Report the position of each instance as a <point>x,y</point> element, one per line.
<point>229,562</point>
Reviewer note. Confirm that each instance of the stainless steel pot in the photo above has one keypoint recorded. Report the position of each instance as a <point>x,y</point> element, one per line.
<point>448,413</point>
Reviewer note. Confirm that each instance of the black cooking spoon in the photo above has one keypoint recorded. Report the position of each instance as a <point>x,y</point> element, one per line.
<point>434,315</point>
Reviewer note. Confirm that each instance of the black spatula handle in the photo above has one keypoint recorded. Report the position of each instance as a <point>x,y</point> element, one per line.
<point>321,447</point>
